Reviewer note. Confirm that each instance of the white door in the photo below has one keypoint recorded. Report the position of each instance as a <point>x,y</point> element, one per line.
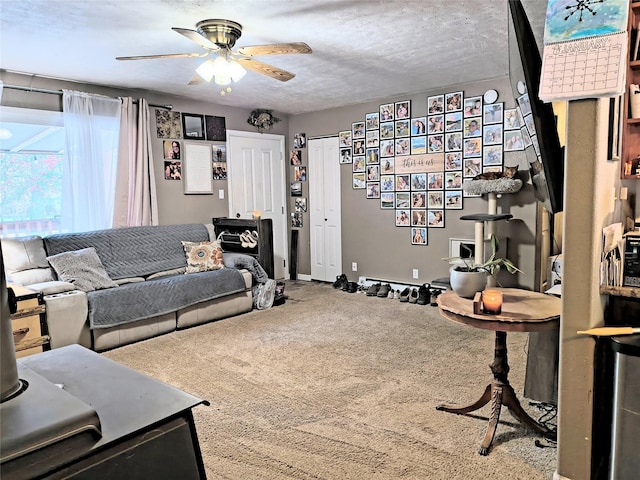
<point>256,181</point>
<point>324,209</point>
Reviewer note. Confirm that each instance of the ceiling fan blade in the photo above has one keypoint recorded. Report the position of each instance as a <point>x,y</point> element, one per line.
<point>167,55</point>
<point>196,80</point>
<point>195,36</point>
<point>264,69</point>
<point>275,49</point>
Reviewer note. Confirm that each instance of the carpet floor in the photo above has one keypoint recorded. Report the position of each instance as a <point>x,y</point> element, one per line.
<point>334,385</point>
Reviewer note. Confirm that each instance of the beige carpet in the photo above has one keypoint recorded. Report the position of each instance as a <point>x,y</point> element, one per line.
<point>334,385</point>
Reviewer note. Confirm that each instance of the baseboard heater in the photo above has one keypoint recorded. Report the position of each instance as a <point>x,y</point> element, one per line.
<point>439,284</point>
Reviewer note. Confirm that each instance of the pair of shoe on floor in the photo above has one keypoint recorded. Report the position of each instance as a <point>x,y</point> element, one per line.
<point>344,284</point>
<point>380,290</point>
<point>420,296</point>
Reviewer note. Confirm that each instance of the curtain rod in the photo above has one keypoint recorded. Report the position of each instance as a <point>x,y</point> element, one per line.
<point>59,92</point>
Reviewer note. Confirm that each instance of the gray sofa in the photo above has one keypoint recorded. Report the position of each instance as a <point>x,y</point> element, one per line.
<point>142,289</point>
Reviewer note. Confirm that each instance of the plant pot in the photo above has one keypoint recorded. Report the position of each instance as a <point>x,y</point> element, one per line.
<point>465,283</point>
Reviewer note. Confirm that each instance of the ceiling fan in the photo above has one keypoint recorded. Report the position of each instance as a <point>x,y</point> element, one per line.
<point>218,37</point>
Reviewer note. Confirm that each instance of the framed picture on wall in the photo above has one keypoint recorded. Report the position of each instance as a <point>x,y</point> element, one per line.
<point>373,189</point>
<point>452,180</point>
<point>453,141</point>
<point>387,200</point>
<point>453,122</point>
<point>493,113</point>
<point>418,199</point>
<point>435,104</point>
<point>418,145</point>
<point>402,218</point>
<point>403,200</point>
<point>193,126</point>
<point>387,130</point>
<point>345,155</point>
<point>358,163</point>
<point>435,218</point>
<point>359,181</point>
<point>472,167</point>
<point>419,126</point>
<point>435,124</point>
<point>373,138</point>
<point>435,199</point>
<point>387,183</point>
<point>513,140</point>
<point>402,146</point>
<point>373,173</point>
<point>492,155</point>
<point>418,236</point>
<point>472,106</point>
<point>386,112</point>
<point>387,148</point>
<point>344,138</point>
<point>492,134</point>
<point>435,180</point>
<point>512,119</point>
<point>216,128</point>
<point>453,200</point>
<point>403,110</point>
<point>402,128</point>
<point>357,130</point>
<point>387,166</point>
<point>300,204</point>
<point>453,161</point>
<point>419,218</point>
<point>372,121</point>
<point>453,101</point>
<point>197,169</point>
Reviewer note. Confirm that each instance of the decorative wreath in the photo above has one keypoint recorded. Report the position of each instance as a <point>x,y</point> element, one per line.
<point>263,120</point>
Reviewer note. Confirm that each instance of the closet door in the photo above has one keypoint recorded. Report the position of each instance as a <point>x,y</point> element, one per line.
<point>325,228</point>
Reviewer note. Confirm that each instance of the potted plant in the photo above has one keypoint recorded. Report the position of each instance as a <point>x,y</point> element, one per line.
<point>469,277</point>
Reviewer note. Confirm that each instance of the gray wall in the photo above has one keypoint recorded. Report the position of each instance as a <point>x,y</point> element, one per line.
<point>369,234</point>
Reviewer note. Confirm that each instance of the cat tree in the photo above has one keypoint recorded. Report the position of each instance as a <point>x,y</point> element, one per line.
<point>494,189</point>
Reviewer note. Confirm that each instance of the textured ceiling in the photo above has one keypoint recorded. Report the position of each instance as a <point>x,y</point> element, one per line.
<point>362,50</point>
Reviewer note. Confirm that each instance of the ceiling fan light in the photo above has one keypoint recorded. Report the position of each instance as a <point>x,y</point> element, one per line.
<point>236,71</point>
<point>220,66</point>
<point>206,70</point>
<point>223,79</point>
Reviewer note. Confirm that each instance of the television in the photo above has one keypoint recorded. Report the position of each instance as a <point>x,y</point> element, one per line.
<point>544,152</point>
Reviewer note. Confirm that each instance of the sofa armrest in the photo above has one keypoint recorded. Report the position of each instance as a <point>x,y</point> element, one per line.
<point>248,278</point>
<point>67,318</point>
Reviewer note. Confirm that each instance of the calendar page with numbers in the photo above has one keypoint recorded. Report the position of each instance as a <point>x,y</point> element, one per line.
<point>585,49</point>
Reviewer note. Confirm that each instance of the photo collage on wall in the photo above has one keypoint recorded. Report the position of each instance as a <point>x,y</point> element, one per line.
<point>469,132</point>
<point>299,176</point>
<point>174,126</point>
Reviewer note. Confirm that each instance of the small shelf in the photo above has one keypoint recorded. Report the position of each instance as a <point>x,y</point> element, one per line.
<point>630,292</point>
<point>487,217</point>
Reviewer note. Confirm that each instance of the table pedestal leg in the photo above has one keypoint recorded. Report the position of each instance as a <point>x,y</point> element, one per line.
<point>499,393</point>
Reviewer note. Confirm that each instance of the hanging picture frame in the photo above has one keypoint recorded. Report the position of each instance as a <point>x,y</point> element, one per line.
<point>387,112</point>
<point>193,126</point>
<point>387,200</point>
<point>435,218</point>
<point>453,200</point>
<point>197,169</point>
<point>435,104</point>
<point>372,121</point>
<point>403,110</point>
<point>418,236</point>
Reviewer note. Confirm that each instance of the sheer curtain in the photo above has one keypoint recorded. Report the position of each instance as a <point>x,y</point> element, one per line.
<point>92,126</point>
<point>135,195</point>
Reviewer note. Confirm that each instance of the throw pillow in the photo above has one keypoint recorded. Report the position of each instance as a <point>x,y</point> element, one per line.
<point>203,256</point>
<point>83,268</point>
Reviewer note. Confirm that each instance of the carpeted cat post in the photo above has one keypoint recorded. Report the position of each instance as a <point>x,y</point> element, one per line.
<point>494,189</point>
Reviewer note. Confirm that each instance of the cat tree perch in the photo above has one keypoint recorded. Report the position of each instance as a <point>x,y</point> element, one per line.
<point>493,189</point>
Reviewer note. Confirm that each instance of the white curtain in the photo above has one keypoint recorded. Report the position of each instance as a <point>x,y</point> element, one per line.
<point>135,196</point>
<point>92,126</point>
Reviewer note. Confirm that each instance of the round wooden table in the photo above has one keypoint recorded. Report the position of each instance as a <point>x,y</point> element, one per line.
<point>522,311</point>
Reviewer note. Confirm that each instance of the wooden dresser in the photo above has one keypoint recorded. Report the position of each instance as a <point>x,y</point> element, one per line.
<point>29,322</point>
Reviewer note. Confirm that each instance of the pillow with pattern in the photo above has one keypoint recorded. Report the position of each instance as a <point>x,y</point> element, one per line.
<point>203,256</point>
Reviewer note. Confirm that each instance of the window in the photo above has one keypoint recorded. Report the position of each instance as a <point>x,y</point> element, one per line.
<point>32,146</point>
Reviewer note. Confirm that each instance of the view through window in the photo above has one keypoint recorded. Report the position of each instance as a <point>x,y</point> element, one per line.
<point>31,163</point>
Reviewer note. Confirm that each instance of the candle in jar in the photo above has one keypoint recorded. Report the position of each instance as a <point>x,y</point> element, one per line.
<point>256,215</point>
<point>492,301</point>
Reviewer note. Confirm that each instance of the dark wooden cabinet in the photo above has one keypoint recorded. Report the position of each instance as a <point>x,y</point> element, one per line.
<point>229,231</point>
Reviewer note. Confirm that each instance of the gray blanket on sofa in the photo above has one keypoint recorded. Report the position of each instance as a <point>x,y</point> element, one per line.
<point>142,300</point>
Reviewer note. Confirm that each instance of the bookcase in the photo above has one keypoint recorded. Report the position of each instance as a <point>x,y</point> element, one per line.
<point>630,152</point>
<point>228,231</point>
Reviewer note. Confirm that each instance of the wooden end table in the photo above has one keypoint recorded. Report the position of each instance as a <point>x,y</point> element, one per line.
<point>522,311</point>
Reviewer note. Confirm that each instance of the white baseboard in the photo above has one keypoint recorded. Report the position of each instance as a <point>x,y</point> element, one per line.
<point>306,278</point>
